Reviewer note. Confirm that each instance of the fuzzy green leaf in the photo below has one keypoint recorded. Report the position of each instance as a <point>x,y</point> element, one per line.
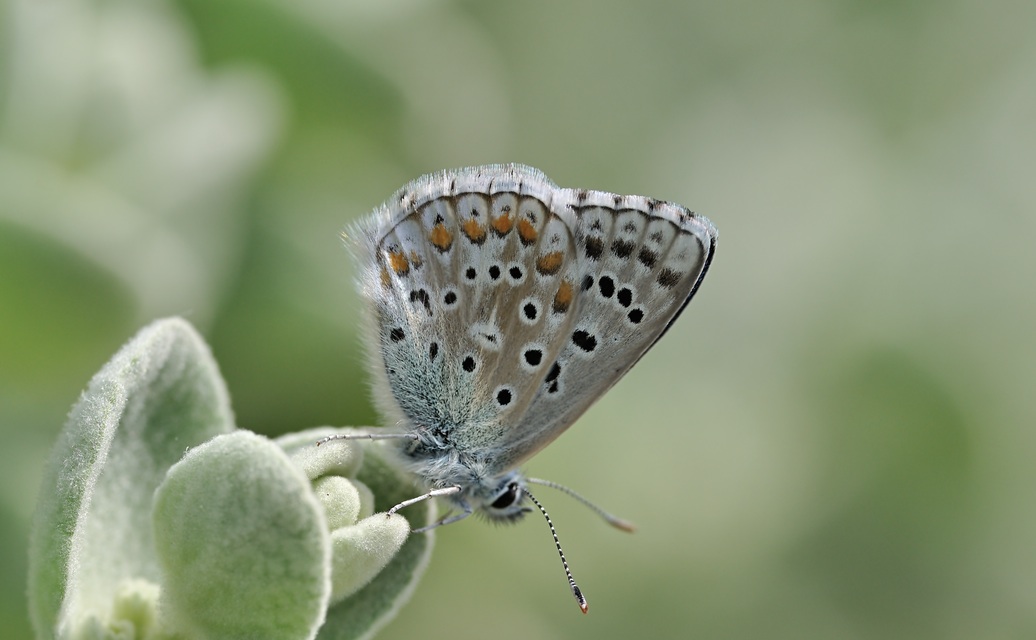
<point>242,537</point>
<point>359,550</point>
<point>159,395</point>
<point>243,543</point>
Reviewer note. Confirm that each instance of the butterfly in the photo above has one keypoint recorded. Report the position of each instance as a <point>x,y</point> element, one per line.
<point>500,307</point>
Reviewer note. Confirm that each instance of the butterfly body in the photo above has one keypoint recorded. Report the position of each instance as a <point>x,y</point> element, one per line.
<point>500,307</point>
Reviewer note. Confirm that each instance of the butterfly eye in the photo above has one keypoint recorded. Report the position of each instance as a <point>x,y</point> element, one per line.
<point>508,497</point>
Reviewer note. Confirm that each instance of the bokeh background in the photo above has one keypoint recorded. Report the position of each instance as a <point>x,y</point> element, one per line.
<point>836,440</point>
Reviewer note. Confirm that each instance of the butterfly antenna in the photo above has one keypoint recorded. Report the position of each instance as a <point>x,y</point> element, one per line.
<point>583,606</point>
<point>614,521</point>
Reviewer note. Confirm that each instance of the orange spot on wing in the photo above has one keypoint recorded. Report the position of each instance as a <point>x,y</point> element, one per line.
<point>386,279</point>
<point>441,238</point>
<point>503,223</point>
<point>474,231</point>
<point>527,232</point>
<point>563,297</point>
<point>550,263</point>
<point>398,262</point>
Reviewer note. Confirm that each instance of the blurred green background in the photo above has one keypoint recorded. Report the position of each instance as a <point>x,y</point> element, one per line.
<point>835,441</point>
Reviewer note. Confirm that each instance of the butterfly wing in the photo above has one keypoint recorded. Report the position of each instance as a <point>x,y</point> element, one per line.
<point>501,306</point>
<point>471,277</point>
<point>639,263</point>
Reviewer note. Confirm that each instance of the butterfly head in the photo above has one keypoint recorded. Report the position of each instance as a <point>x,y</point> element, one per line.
<point>503,499</point>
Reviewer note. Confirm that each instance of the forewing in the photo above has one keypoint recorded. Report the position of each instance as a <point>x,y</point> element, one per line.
<point>639,263</point>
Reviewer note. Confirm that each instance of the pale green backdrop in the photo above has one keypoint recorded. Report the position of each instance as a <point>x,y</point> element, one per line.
<point>836,440</point>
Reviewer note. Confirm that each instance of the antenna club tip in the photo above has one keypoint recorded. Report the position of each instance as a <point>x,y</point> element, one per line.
<point>624,525</point>
<point>583,605</point>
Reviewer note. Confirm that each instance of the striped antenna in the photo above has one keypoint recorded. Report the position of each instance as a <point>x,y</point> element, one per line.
<point>557,543</point>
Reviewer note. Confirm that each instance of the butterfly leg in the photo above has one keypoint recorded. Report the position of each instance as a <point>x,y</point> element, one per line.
<point>367,436</point>
<point>445,491</point>
<point>447,519</point>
